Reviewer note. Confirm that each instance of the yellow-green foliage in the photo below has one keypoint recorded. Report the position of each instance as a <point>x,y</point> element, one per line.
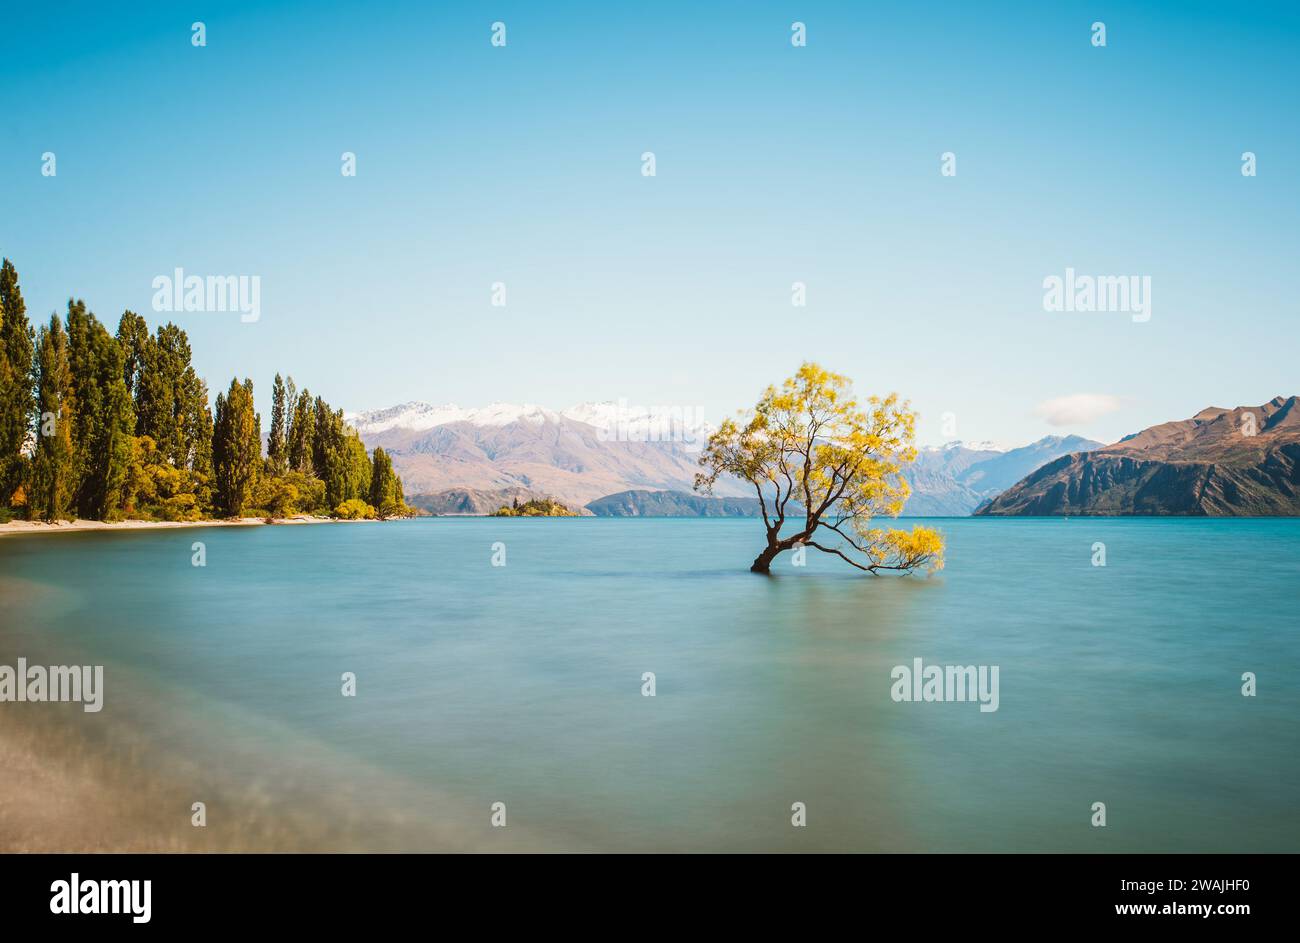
<point>289,493</point>
<point>155,489</point>
<point>354,509</point>
<point>823,466</point>
<point>278,496</point>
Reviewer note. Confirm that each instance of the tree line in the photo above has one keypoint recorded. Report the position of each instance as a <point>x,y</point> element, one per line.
<point>105,426</point>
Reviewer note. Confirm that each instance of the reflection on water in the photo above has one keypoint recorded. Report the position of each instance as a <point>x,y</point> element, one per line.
<point>522,684</point>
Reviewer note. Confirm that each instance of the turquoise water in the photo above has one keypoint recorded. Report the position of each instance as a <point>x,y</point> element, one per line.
<point>522,684</point>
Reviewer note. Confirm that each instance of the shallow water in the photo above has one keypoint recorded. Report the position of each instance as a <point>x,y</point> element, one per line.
<point>522,683</point>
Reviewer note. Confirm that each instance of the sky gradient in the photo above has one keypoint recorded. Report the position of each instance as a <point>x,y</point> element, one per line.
<point>775,164</point>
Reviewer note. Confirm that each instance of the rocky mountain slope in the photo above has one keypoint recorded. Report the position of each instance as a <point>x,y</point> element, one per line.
<point>1221,462</point>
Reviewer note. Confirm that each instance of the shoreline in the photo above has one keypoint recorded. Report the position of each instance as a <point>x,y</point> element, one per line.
<point>80,526</point>
<point>125,779</point>
<point>74,790</point>
<point>62,797</point>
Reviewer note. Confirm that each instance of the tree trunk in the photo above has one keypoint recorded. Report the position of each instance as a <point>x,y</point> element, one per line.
<point>763,562</point>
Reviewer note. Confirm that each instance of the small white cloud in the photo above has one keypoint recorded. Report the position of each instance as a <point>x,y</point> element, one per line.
<point>1077,409</point>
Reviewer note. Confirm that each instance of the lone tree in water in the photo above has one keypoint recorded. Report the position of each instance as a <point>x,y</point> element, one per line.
<point>813,454</point>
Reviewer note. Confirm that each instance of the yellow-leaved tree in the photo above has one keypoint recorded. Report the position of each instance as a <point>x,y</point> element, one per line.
<point>824,467</point>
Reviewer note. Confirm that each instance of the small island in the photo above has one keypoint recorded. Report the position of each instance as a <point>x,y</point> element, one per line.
<point>537,507</point>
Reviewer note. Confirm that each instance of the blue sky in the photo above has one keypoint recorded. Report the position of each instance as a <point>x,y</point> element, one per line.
<point>775,164</point>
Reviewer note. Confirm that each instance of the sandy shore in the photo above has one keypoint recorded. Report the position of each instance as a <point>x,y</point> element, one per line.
<point>64,791</point>
<point>125,779</point>
<point>56,798</point>
<point>68,527</point>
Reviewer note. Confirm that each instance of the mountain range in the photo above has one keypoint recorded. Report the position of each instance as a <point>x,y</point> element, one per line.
<point>608,459</point>
<point>611,459</point>
<point>1221,462</point>
<point>952,480</point>
<point>577,455</point>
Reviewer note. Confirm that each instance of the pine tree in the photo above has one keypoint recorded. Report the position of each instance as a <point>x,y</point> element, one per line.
<point>302,435</point>
<point>52,471</point>
<point>383,485</point>
<point>359,468</point>
<point>17,382</point>
<point>275,445</point>
<point>155,397</point>
<point>192,420</point>
<point>133,337</point>
<point>200,432</point>
<point>236,448</point>
<point>163,387</point>
<point>290,403</point>
<point>173,363</point>
<point>339,457</point>
<point>325,440</point>
<point>103,423</point>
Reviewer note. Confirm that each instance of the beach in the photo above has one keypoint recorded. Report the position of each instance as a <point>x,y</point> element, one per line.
<point>67,792</point>
<point>59,798</point>
<point>127,778</point>
<point>77,526</point>
<point>72,785</point>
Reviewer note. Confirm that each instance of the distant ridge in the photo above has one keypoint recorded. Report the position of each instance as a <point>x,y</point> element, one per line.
<point>1238,462</point>
<point>470,502</point>
<point>953,480</point>
<point>673,504</point>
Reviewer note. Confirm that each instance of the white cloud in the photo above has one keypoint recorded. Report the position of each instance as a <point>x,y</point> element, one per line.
<point>1078,408</point>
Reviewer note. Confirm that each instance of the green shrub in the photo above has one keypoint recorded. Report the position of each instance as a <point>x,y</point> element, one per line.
<point>354,509</point>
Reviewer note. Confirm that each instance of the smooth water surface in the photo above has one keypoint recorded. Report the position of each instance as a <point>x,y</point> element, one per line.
<point>523,683</point>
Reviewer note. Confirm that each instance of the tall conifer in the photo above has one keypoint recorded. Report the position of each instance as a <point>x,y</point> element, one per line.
<point>52,467</point>
<point>17,383</point>
<point>236,448</point>
<point>275,444</point>
<point>104,420</point>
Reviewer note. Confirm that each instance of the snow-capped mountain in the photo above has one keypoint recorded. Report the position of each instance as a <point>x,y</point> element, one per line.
<point>682,424</point>
<point>576,455</point>
<point>981,446</point>
<point>619,421</point>
<point>421,416</point>
<point>486,454</point>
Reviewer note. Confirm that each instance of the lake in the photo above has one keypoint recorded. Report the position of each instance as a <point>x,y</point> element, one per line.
<point>522,684</point>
